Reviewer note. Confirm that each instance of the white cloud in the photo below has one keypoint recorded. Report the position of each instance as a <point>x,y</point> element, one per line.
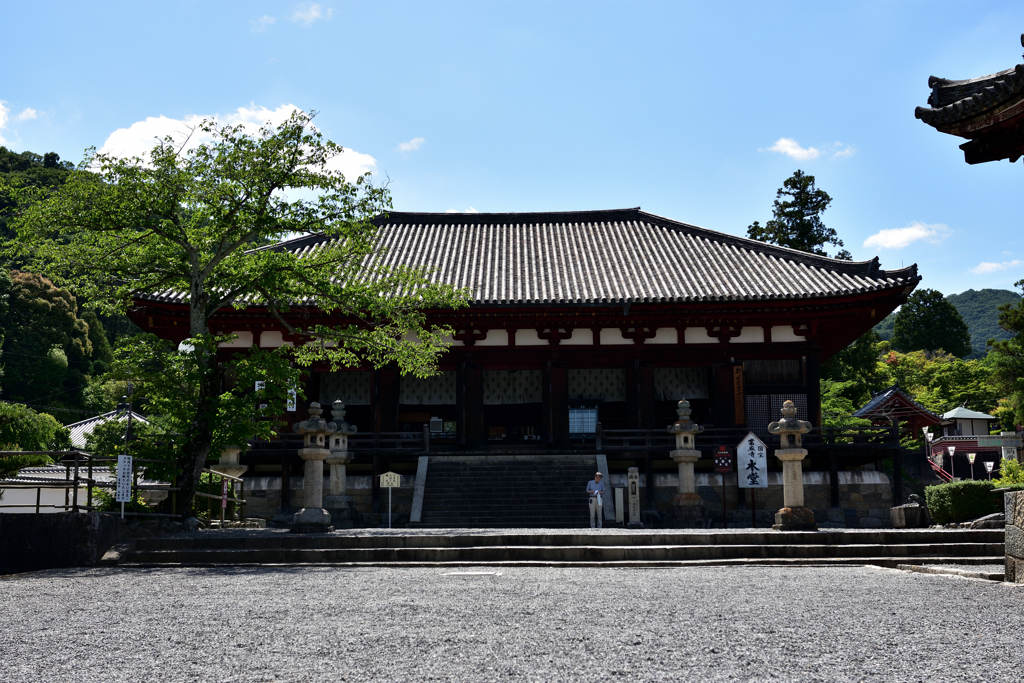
<point>27,113</point>
<point>309,12</point>
<point>262,24</point>
<point>990,267</point>
<point>411,146</point>
<point>469,210</point>
<point>897,238</point>
<point>4,111</point>
<point>792,149</point>
<point>139,138</point>
<point>841,151</point>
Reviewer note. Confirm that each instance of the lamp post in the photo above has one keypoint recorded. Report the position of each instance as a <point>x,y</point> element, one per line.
<point>970,459</point>
<point>989,466</point>
<point>952,451</point>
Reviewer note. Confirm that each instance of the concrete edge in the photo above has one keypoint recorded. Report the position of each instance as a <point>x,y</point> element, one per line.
<point>416,514</point>
<point>988,576</point>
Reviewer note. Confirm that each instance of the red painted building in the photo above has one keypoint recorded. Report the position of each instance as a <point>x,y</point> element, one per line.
<point>585,317</point>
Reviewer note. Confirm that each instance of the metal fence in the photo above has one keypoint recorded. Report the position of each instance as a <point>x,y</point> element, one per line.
<point>80,470</point>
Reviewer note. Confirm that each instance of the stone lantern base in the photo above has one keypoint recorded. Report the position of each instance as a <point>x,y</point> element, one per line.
<point>688,510</point>
<point>795,519</point>
<point>311,521</point>
<point>342,510</point>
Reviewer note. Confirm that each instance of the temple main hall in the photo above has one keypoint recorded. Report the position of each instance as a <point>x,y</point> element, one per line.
<point>582,324</point>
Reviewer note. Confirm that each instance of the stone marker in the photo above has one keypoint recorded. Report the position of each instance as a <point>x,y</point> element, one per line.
<point>794,516</point>
<point>633,489</point>
<point>313,518</point>
<point>1013,506</point>
<point>687,507</point>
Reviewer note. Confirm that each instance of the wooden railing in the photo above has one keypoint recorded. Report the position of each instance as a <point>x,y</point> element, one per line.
<point>819,438</point>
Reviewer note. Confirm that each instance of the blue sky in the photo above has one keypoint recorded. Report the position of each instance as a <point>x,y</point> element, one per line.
<point>695,111</point>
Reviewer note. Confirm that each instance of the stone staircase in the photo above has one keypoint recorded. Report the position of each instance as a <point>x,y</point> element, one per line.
<point>611,548</point>
<point>509,492</point>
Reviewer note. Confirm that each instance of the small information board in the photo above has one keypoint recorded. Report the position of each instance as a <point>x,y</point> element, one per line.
<point>223,494</point>
<point>752,463</point>
<point>723,460</point>
<point>390,480</point>
<point>998,441</point>
<point>123,494</point>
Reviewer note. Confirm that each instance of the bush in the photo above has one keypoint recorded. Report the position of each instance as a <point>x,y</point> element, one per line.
<point>1011,473</point>
<point>960,501</point>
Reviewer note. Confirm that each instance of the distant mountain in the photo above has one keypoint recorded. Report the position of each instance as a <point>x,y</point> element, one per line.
<point>978,308</point>
<point>884,328</point>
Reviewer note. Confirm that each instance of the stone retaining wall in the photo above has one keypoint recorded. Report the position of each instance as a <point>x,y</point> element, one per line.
<point>47,541</point>
<point>1014,511</point>
<point>263,496</point>
<point>864,498</point>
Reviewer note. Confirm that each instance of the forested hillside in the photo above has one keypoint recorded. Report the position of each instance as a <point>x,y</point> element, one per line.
<point>978,308</point>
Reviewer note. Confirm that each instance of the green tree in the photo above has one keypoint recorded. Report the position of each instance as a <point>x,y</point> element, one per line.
<point>188,219</point>
<point>1007,358</point>
<point>27,169</point>
<point>796,219</point>
<point>857,368</point>
<point>23,429</point>
<point>928,322</point>
<point>47,349</point>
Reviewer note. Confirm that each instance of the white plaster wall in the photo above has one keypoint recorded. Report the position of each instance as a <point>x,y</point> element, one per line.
<point>580,337</point>
<point>665,335</point>
<point>529,338</point>
<point>698,335</point>
<point>784,333</point>
<point>494,338</point>
<point>749,335</point>
<point>243,341</point>
<point>612,336</point>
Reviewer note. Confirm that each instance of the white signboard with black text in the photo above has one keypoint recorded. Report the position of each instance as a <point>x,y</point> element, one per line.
<point>752,463</point>
<point>123,494</point>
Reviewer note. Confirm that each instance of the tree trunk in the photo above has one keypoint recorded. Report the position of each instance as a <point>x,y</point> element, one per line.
<point>199,437</point>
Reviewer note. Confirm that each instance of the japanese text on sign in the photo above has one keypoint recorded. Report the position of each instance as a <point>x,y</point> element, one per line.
<point>390,480</point>
<point>123,494</point>
<point>752,463</point>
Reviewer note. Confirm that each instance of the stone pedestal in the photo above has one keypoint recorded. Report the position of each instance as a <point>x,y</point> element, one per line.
<point>633,491</point>
<point>793,516</point>
<point>312,518</point>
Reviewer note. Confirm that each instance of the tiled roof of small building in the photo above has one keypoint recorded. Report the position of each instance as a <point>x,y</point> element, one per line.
<point>616,256</point>
<point>879,400</point>
<point>80,431</point>
<point>965,414</point>
<point>952,101</point>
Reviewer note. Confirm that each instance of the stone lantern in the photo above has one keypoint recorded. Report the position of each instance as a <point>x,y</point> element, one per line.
<point>687,506</point>
<point>340,506</point>
<point>229,465</point>
<point>794,516</point>
<point>312,518</point>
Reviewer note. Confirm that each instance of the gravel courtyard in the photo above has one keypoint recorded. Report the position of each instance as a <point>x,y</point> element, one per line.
<point>530,624</point>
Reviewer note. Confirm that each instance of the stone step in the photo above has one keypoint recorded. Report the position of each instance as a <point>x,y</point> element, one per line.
<point>569,554</point>
<point>610,537</point>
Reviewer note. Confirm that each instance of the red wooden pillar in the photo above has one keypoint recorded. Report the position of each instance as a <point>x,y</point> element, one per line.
<point>385,398</point>
<point>555,392</point>
<point>469,403</point>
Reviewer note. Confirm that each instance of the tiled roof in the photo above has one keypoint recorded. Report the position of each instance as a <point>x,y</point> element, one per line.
<point>617,256</point>
<point>953,101</point>
<point>965,414</point>
<point>80,431</point>
<point>882,397</point>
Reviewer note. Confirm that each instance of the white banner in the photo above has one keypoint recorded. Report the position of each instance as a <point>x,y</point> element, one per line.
<point>752,463</point>
<point>124,479</point>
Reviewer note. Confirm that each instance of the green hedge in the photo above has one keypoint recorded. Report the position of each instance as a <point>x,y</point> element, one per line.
<point>962,501</point>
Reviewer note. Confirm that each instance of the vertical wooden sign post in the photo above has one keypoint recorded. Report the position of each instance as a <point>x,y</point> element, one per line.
<point>723,465</point>
<point>752,468</point>
<point>390,480</point>
<point>123,494</point>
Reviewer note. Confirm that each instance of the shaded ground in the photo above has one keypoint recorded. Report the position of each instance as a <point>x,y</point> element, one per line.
<point>329,624</point>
